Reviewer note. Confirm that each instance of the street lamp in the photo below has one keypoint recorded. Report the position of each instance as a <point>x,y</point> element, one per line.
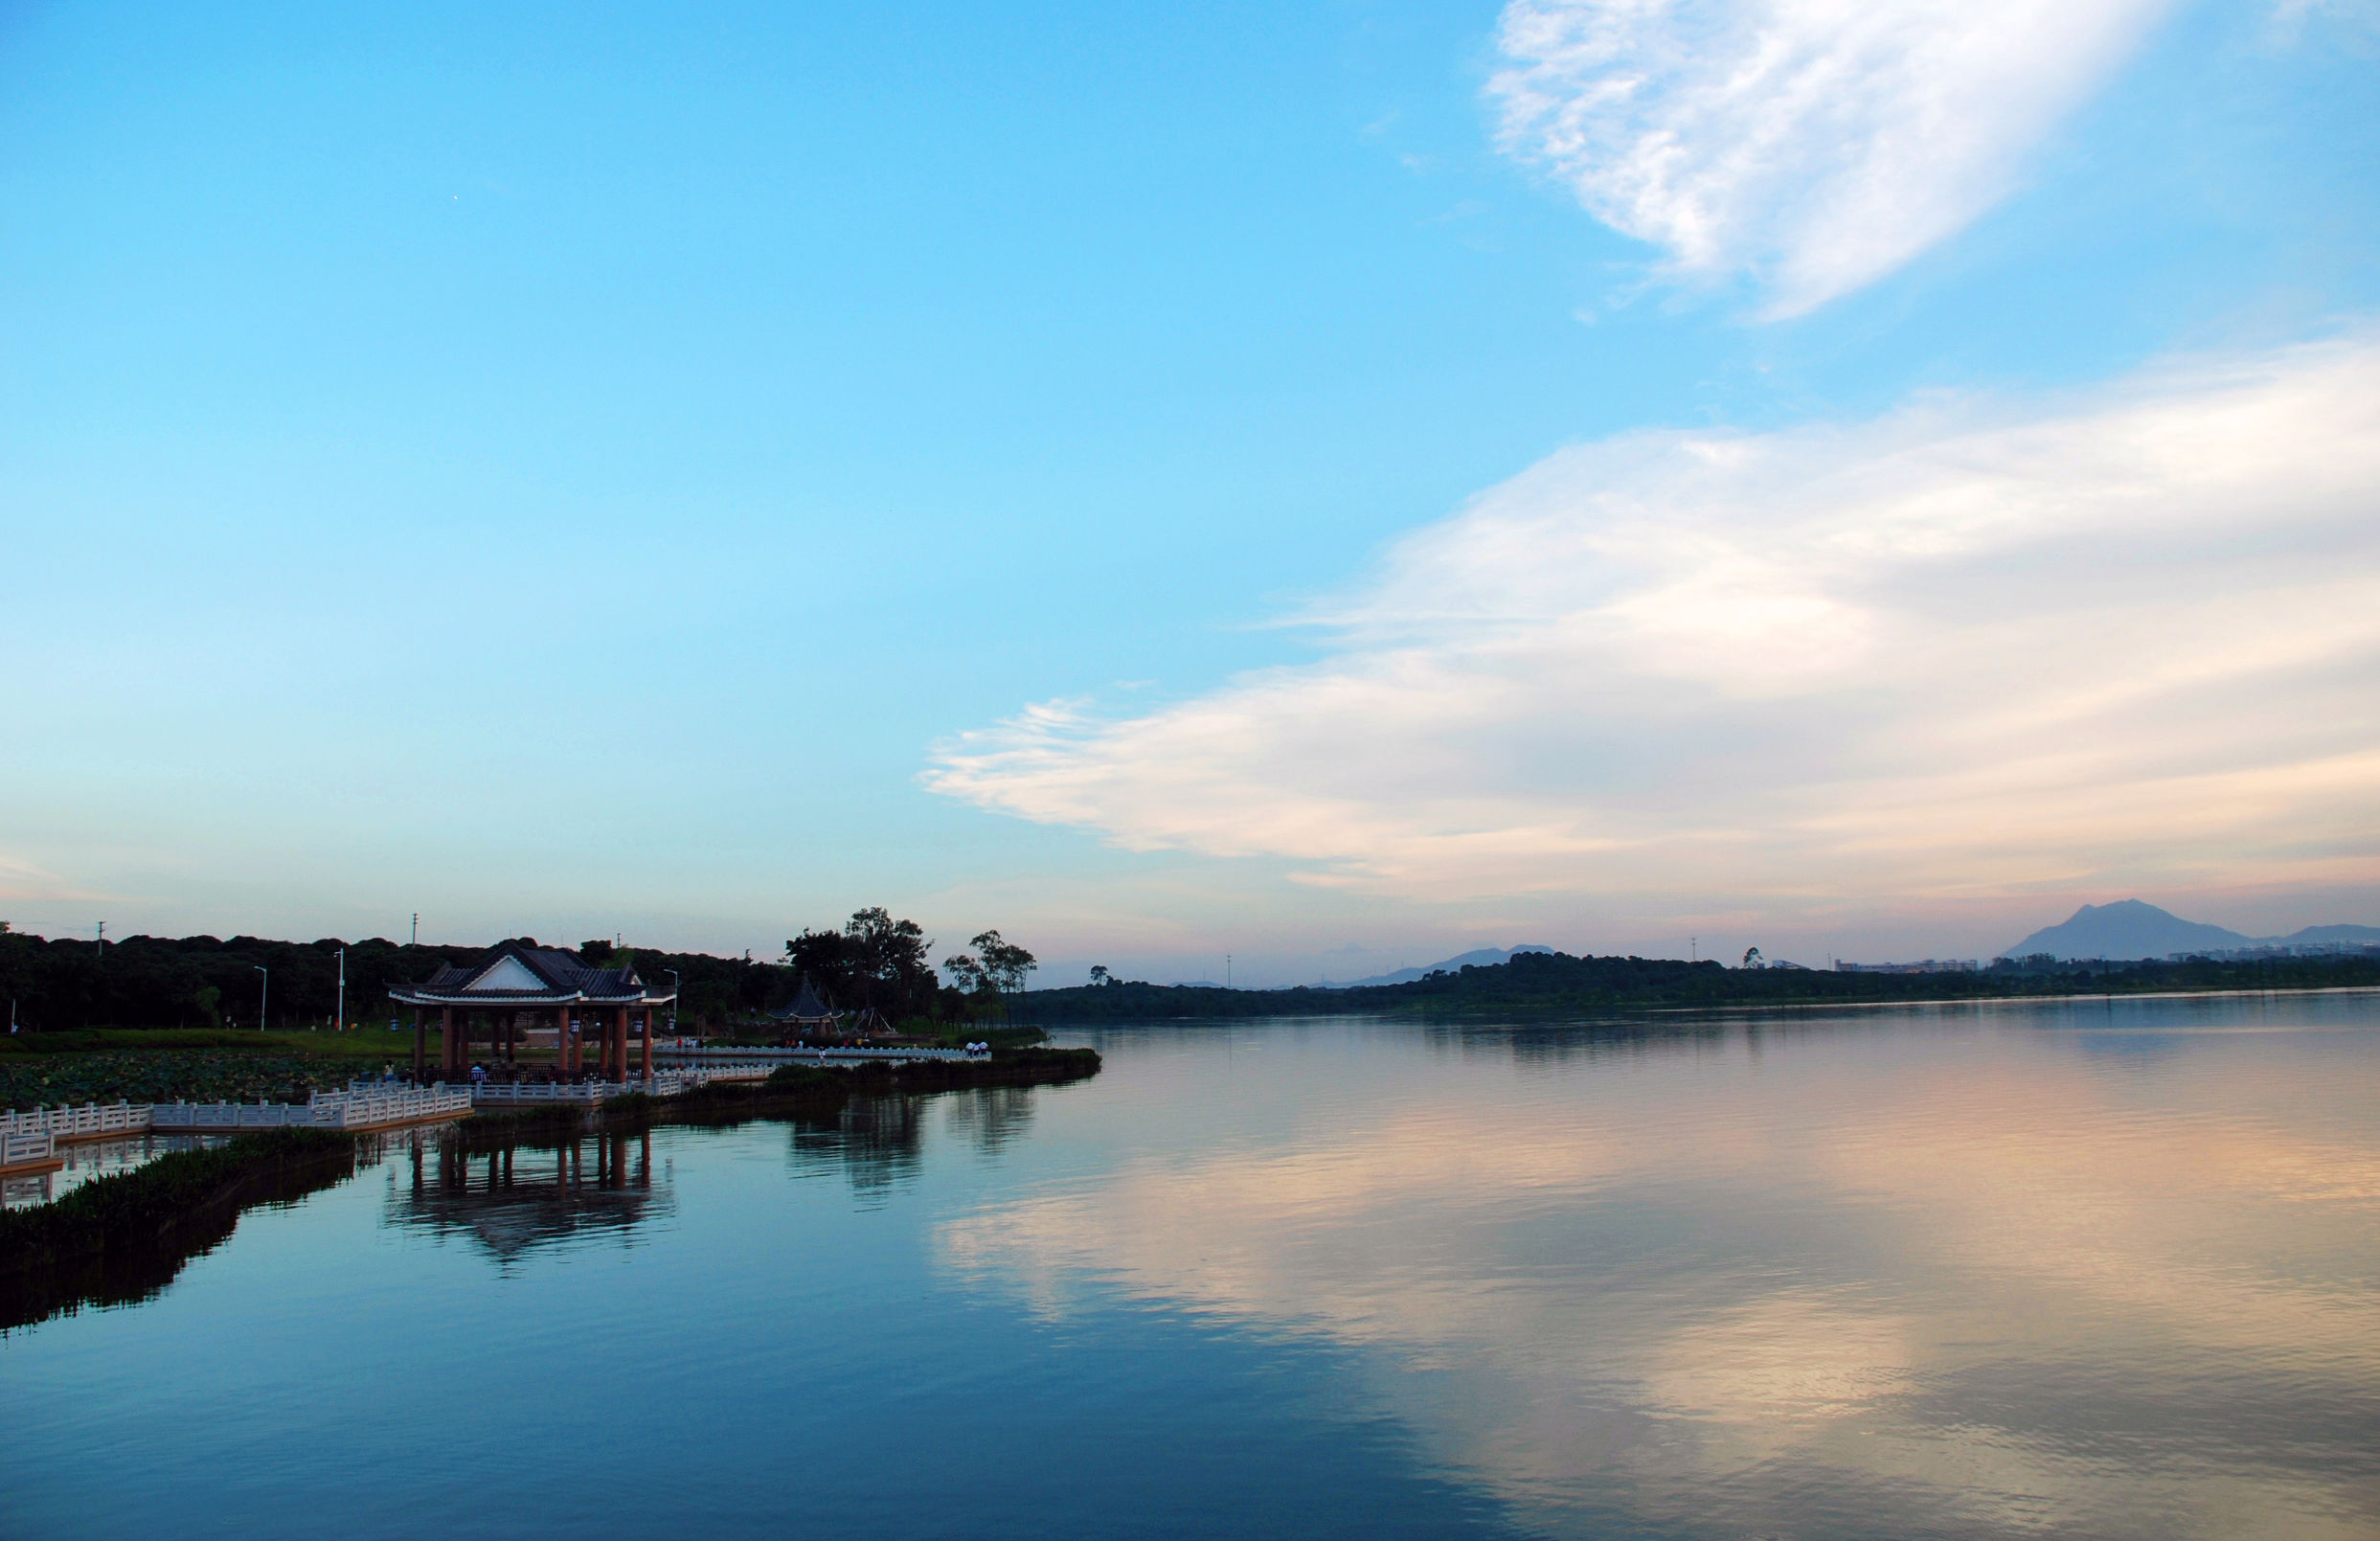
<point>263,994</point>
<point>342,1017</point>
<point>673,1003</point>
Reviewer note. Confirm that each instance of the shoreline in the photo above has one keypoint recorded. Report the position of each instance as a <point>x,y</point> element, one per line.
<point>1463,998</point>
<point>122,1239</point>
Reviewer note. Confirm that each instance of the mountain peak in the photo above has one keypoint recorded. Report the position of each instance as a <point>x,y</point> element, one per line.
<point>2127,928</point>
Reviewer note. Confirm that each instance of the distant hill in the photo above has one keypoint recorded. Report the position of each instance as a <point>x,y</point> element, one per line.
<point>1602,991</point>
<point>1481,957</point>
<point>2128,928</point>
<point>2353,936</point>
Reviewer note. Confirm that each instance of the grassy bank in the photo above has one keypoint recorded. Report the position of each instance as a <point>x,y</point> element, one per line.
<point>358,1045</point>
<point>122,1239</point>
<point>790,1092</point>
<point>807,1091</point>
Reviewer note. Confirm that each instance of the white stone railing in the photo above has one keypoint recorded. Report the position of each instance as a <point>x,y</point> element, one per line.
<point>827,1057</point>
<point>662,1083</point>
<point>364,1107</point>
<point>24,1150</point>
<point>92,1121</point>
<point>375,1104</point>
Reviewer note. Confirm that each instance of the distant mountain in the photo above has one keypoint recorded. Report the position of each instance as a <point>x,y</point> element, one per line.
<point>2352,936</point>
<point>2129,929</point>
<point>1482,958</point>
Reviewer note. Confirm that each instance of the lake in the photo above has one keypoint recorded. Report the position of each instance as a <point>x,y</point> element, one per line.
<point>2093,1268</point>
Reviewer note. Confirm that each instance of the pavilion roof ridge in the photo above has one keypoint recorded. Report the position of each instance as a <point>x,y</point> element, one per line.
<point>516,973</point>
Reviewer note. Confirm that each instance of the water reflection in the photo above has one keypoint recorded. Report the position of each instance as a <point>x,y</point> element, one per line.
<point>875,1147</point>
<point>89,1159</point>
<point>1823,1273</point>
<point>134,1262</point>
<point>992,1118</point>
<point>512,1198</point>
<point>1967,1271</point>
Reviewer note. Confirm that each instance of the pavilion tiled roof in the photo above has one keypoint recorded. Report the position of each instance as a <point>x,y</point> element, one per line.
<point>529,976</point>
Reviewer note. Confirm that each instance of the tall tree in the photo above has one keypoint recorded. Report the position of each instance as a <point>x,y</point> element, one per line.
<point>875,960</point>
<point>999,965</point>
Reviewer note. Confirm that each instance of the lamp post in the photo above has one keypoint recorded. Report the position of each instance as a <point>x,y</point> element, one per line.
<point>263,994</point>
<point>341,1024</point>
<point>673,1003</point>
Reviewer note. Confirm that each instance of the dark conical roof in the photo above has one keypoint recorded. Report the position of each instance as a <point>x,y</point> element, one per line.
<point>807,1007</point>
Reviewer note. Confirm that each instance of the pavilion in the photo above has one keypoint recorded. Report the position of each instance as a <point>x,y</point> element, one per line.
<point>807,1011</point>
<point>516,978</point>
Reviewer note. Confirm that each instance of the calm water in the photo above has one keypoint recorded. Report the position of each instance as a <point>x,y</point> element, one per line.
<point>2092,1270</point>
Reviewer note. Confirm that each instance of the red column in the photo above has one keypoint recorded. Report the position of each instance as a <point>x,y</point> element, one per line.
<point>649,1043</point>
<point>620,1016</point>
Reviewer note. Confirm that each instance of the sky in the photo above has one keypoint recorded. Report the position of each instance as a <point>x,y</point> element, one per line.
<point>1321,486</point>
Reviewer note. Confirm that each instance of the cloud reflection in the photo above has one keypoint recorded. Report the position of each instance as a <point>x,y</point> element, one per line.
<point>1996,1290</point>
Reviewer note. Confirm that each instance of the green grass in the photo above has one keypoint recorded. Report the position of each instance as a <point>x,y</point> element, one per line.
<point>370,1043</point>
<point>169,1075</point>
<point>199,1064</point>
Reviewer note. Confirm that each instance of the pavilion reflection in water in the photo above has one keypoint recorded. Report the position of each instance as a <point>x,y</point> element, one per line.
<point>516,1197</point>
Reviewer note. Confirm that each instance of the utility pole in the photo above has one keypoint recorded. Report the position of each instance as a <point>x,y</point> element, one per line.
<point>263,994</point>
<point>102,942</point>
<point>417,928</point>
<point>1227,971</point>
<point>341,1024</point>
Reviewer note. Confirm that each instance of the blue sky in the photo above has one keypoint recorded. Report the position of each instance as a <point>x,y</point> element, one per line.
<point>574,470</point>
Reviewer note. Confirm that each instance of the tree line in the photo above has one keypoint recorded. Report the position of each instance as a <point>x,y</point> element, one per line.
<point>874,962</point>
<point>1558,982</point>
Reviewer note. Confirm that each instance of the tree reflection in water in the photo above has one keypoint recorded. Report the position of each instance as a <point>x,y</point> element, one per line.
<point>875,1146</point>
<point>991,1117</point>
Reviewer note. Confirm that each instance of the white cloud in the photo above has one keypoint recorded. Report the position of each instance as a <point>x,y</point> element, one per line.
<point>1967,650</point>
<point>1816,145</point>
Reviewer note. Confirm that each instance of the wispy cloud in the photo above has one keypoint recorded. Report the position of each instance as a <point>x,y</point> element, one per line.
<point>1971,648</point>
<point>1814,145</point>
